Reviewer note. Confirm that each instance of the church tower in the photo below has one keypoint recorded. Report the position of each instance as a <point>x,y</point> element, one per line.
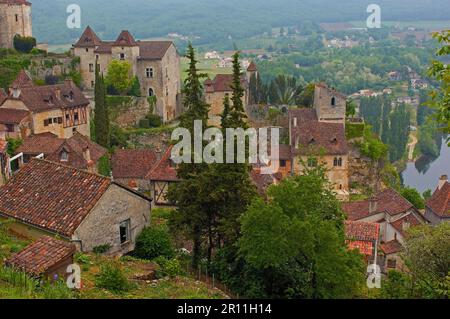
<point>15,18</point>
<point>329,104</point>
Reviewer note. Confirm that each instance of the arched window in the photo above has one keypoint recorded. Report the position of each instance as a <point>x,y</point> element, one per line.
<point>151,92</point>
<point>335,162</point>
<point>340,161</point>
<point>333,101</point>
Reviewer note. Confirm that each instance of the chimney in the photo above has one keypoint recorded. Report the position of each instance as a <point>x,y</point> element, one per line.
<point>442,181</point>
<point>68,82</point>
<point>87,154</point>
<point>373,205</point>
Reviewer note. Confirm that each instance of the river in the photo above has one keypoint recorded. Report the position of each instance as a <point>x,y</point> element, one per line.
<point>425,172</point>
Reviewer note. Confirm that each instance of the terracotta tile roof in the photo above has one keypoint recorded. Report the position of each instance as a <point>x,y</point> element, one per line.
<point>40,98</point>
<point>356,230</point>
<point>41,255</point>
<point>316,137</point>
<point>164,170</point>
<point>153,50</point>
<point>402,224</point>
<point>439,203</point>
<point>391,247</point>
<point>135,163</point>
<point>302,115</point>
<point>387,201</point>
<point>22,80</point>
<point>252,67</point>
<point>51,196</point>
<point>45,143</point>
<point>52,146</point>
<point>16,2</point>
<point>12,116</point>
<point>104,47</point>
<point>364,247</point>
<point>125,39</point>
<point>88,39</point>
<point>223,82</point>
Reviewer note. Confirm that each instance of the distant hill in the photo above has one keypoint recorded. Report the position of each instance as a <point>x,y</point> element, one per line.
<point>213,20</point>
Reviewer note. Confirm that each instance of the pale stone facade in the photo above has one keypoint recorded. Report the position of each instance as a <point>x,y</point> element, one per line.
<point>155,63</point>
<point>329,104</point>
<point>15,18</point>
<point>101,226</point>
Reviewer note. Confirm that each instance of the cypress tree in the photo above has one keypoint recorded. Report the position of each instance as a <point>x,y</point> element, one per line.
<point>101,114</point>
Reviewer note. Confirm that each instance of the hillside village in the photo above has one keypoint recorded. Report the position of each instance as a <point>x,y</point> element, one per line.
<point>65,193</point>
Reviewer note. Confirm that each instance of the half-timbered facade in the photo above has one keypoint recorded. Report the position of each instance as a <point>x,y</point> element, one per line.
<point>161,177</point>
<point>61,109</point>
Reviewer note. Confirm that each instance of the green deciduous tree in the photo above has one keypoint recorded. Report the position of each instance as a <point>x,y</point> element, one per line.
<point>119,76</point>
<point>413,196</point>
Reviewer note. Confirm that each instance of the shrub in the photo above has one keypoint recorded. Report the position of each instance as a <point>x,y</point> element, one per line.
<point>24,44</point>
<point>102,249</point>
<point>112,278</point>
<point>135,89</point>
<point>104,166</point>
<point>168,267</point>
<point>154,242</point>
<point>154,120</point>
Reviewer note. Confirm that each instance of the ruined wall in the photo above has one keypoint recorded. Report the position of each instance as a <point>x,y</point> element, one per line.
<point>363,171</point>
<point>127,111</point>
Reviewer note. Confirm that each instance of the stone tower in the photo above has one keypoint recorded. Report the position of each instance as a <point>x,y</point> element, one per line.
<point>15,18</point>
<point>329,104</point>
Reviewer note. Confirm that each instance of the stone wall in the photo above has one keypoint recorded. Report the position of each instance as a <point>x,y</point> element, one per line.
<point>128,111</point>
<point>14,19</point>
<point>323,103</point>
<point>101,226</point>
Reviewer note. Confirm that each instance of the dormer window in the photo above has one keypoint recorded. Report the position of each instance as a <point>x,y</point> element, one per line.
<point>64,156</point>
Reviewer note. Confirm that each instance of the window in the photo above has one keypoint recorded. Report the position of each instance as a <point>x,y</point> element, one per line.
<point>337,161</point>
<point>64,156</point>
<point>391,263</point>
<point>87,49</point>
<point>149,72</point>
<point>50,121</point>
<point>91,67</point>
<point>46,122</point>
<point>17,18</point>
<point>92,84</point>
<point>283,163</point>
<point>124,231</point>
<point>151,92</point>
<point>10,127</point>
<point>333,101</point>
<point>122,56</point>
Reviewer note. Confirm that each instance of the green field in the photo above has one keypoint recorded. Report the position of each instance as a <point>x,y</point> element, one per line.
<point>432,25</point>
<point>206,66</point>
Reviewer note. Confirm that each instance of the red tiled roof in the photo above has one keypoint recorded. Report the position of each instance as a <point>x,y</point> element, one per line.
<point>262,181</point>
<point>439,203</point>
<point>316,137</point>
<point>125,39</point>
<point>12,116</point>
<point>104,47</point>
<point>133,163</point>
<point>402,224</point>
<point>41,255</point>
<point>3,96</point>
<point>364,247</point>
<point>302,115</point>
<point>88,39</point>
<point>388,201</point>
<point>153,50</point>
<point>391,247</point>
<point>22,80</point>
<point>39,98</point>
<point>356,230</point>
<point>223,82</point>
<point>164,170</point>
<point>51,196</point>
<point>52,146</point>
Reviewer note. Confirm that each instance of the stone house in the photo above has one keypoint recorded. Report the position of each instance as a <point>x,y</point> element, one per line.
<point>15,18</point>
<point>394,214</point>
<point>364,237</point>
<point>77,151</point>
<point>437,208</point>
<point>61,109</point>
<point>155,63</point>
<point>85,209</point>
<point>46,258</point>
<point>216,89</point>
